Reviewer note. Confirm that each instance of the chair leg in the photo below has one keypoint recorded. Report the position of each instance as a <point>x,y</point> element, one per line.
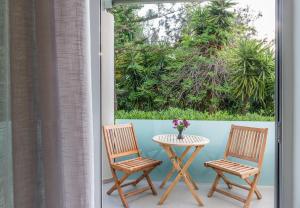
<point>146,175</point>
<point>118,185</point>
<point>214,186</point>
<point>257,192</point>
<point>150,183</point>
<point>114,187</point>
<point>252,190</point>
<point>227,182</point>
<point>139,179</point>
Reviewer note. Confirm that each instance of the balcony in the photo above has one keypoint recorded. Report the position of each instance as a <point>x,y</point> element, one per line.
<point>180,198</point>
<point>189,68</point>
<point>217,132</point>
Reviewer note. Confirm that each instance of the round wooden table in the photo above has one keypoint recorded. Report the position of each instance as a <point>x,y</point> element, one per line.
<point>168,141</point>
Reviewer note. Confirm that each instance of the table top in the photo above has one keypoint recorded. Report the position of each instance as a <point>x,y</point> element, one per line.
<point>188,140</point>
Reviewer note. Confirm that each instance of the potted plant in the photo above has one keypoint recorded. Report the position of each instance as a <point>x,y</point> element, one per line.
<point>180,125</point>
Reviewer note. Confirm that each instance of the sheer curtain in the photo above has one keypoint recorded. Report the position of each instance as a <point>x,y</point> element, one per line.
<point>6,191</point>
<point>46,99</point>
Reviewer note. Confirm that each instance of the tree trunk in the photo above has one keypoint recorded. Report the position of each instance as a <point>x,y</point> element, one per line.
<point>245,105</point>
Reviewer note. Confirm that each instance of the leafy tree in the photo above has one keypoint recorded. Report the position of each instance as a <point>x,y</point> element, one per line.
<point>127,26</point>
<point>207,59</point>
<point>197,77</point>
<point>252,71</point>
<point>129,62</point>
<point>210,27</point>
<point>139,88</point>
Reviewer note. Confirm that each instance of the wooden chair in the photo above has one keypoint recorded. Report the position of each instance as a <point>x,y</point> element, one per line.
<point>248,144</point>
<point>120,141</point>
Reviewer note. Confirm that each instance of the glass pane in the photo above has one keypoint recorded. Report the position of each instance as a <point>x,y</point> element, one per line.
<point>212,63</point>
<point>6,185</point>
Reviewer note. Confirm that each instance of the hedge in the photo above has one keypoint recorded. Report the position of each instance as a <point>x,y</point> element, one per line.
<point>189,114</point>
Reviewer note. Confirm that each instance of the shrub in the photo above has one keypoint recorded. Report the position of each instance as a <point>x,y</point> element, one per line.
<point>209,61</point>
<point>190,114</point>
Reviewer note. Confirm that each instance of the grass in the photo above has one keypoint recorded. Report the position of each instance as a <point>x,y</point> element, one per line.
<point>189,114</point>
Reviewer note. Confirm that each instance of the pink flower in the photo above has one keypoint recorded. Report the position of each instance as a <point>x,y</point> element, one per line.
<point>180,124</point>
<point>175,123</point>
<point>186,123</point>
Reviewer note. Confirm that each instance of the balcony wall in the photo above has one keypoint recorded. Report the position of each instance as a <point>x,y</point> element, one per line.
<point>216,131</point>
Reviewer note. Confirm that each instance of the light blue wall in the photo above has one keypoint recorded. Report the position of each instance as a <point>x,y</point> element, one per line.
<point>216,131</point>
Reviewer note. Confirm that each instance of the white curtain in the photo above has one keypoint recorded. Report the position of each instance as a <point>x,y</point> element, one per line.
<point>47,102</point>
<point>6,184</point>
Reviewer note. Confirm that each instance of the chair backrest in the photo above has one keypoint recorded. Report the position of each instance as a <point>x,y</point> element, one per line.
<point>120,141</point>
<point>247,143</point>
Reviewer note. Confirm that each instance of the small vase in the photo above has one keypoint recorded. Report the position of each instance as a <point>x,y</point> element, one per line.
<point>180,136</point>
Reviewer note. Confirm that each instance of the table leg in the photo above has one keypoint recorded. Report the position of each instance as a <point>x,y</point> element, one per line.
<point>180,160</point>
<point>182,173</point>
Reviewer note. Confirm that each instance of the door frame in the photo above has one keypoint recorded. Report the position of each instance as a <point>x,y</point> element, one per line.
<point>278,186</point>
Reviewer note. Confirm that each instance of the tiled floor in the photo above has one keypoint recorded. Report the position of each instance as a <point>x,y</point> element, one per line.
<point>182,198</point>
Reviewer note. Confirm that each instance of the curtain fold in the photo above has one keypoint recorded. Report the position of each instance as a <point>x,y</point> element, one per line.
<point>6,184</point>
<point>51,103</point>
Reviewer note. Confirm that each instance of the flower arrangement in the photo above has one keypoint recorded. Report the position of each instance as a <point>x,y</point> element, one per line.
<point>180,125</point>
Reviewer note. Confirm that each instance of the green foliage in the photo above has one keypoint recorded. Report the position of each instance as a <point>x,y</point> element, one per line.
<point>209,28</point>
<point>209,61</point>
<point>195,75</point>
<point>252,71</point>
<point>139,85</point>
<point>127,25</point>
<point>191,115</point>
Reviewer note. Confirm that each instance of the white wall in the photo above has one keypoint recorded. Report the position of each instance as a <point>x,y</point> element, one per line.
<point>107,80</point>
<point>95,78</point>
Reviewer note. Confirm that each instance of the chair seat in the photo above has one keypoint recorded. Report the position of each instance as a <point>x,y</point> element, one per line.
<point>241,170</point>
<point>136,164</point>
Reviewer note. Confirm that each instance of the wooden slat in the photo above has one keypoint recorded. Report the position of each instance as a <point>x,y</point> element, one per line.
<point>240,186</point>
<point>123,154</point>
<point>129,145</point>
<point>230,195</point>
<point>233,168</point>
<point>135,164</point>
<point>120,141</point>
<point>246,143</point>
<point>135,192</point>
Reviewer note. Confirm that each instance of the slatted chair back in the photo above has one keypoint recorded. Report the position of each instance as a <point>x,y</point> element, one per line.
<point>120,141</point>
<point>247,143</point>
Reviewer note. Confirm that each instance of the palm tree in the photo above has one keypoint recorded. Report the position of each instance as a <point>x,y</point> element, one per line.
<point>221,18</point>
<point>220,13</point>
<point>252,67</point>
